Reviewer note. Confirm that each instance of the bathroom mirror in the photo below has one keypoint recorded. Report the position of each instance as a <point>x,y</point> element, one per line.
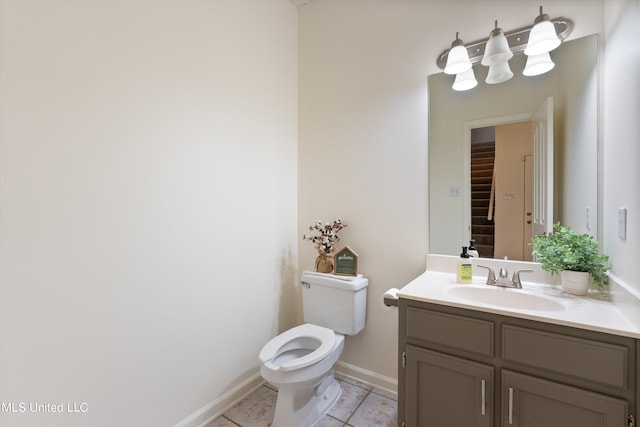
<point>454,117</point>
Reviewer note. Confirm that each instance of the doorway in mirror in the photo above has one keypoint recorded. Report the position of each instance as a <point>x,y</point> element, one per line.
<point>502,190</point>
<point>483,151</point>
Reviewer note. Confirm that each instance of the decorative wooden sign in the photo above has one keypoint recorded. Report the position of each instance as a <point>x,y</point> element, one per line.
<point>346,262</point>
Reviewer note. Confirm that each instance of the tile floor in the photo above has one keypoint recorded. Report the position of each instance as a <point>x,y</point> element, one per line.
<point>360,405</point>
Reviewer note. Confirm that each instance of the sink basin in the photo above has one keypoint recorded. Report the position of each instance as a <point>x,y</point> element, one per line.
<point>506,297</point>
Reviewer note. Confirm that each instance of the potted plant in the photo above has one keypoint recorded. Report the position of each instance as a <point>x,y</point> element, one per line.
<point>575,256</point>
<point>324,239</point>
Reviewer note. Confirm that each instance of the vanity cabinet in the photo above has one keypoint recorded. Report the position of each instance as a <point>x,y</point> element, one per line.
<point>432,375</point>
<point>467,368</point>
<point>529,401</point>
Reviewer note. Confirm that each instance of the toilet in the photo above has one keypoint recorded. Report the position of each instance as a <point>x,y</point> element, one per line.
<point>299,362</point>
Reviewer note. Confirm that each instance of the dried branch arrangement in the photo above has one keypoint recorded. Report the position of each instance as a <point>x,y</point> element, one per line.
<point>324,237</point>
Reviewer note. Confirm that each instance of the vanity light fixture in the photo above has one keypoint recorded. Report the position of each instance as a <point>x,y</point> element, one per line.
<point>538,64</point>
<point>496,56</point>
<point>499,73</point>
<point>543,37</point>
<point>497,49</point>
<point>458,58</point>
<point>491,51</point>
<point>465,80</point>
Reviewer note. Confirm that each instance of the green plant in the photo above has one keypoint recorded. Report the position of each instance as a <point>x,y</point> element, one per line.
<point>564,249</point>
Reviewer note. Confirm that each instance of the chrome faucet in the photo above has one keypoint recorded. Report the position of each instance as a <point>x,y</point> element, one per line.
<point>515,281</point>
<point>491,277</point>
<point>503,278</point>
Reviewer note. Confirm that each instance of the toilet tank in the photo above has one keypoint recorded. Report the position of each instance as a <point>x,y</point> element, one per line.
<point>335,302</point>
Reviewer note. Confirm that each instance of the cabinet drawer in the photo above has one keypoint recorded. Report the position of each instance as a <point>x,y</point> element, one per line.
<point>453,331</point>
<point>591,360</point>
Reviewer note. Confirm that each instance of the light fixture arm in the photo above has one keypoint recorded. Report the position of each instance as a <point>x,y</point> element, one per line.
<point>517,39</point>
<point>457,41</point>
<point>541,17</point>
<point>496,31</point>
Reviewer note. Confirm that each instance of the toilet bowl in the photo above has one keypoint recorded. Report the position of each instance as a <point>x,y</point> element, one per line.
<point>299,362</point>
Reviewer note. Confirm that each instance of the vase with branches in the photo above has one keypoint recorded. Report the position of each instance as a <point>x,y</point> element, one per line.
<point>324,238</point>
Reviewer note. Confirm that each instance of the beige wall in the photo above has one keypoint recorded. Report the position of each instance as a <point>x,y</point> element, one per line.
<point>149,170</point>
<point>363,152</point>
<point>148,201</point>
<point>621,136</point>
<point>363,135</point>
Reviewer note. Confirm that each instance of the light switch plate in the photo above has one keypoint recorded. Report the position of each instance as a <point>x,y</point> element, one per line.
<point>622,223</point>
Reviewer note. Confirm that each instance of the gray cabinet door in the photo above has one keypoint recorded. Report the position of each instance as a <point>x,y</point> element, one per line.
<point>447,391</point>
<point>533,402</point>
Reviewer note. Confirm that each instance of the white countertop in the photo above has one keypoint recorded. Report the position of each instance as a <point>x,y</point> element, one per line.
<point>591,312</point>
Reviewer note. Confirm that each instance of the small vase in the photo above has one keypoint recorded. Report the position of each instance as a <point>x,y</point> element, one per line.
<point>324,264</point>
<point>575,282</point>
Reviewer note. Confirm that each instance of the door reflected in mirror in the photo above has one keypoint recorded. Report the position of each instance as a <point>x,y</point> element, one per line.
<point>502,190</point>
<point>510,187</point>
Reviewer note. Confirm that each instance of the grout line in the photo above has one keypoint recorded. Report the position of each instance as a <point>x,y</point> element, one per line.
<point>230,420</point>
<point>358,407</point>
<point>355,382</point>
<point>382,395</point>
<point>343,423</point>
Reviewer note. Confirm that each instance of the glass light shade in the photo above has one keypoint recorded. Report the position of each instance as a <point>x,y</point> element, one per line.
<point>497,49</point>
<point>457,59</point>
<point>542,38</point>
<point>499,73</point>
<point>538,64</point>
<point>465,80</point>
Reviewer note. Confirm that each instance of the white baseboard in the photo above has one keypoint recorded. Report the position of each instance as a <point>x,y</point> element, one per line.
<point>213,410</point>
<point>367,377</point>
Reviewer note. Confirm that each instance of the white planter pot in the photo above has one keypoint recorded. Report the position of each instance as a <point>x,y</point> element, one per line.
<point>575,282</point>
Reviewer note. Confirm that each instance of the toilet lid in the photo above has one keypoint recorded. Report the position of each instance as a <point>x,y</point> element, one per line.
<point>327,338</point>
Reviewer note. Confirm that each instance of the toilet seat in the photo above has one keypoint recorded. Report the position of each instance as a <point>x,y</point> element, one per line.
<point>278,344</point>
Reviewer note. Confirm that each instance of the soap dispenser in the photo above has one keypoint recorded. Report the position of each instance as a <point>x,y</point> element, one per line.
<point>463,272</point>
<point>473,251</point>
